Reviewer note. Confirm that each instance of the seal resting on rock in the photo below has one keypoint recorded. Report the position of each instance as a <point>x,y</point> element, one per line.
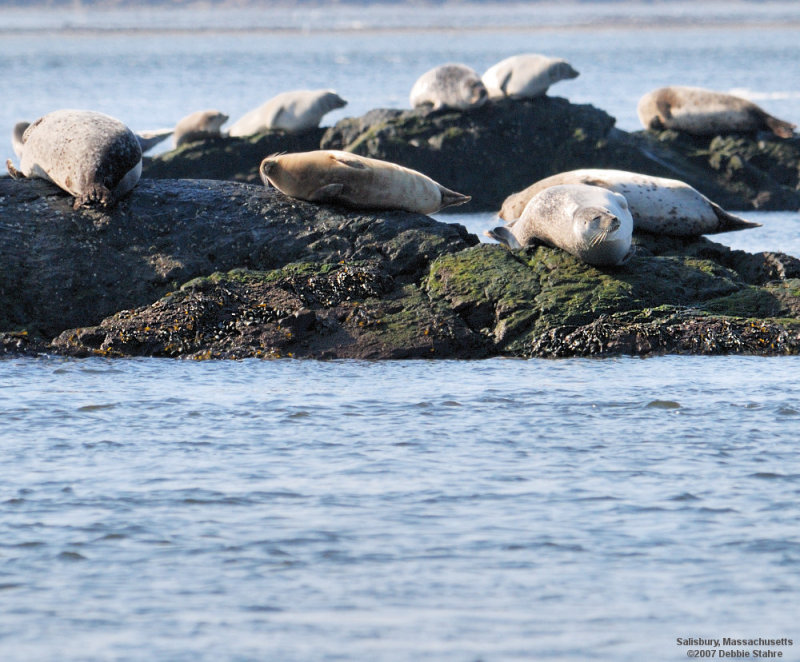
<point>704,112</point>
<point>657,204</point>
<point>91,156</point>
<point>525,76</point>
<point>200,125</point>
<point>449,86</point>
<point>589,222</point>
<point>295,111</point>
<point>355,181</point>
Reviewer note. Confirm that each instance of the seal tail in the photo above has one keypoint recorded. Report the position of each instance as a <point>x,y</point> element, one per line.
<point>450,198</point>
<point>729,222</point>
<point>504,236</point>
<point>779,127</point>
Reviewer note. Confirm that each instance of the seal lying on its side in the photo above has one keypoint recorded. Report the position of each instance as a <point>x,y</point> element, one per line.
<point>355,181</point>
<point>657,204</point>
<point>297,110</point>
<point>589,222</point>
<point>525,76</point>
<point>704,112</point>
<point>199,125</point>
<point>88,154</point>
<point>449,86</point>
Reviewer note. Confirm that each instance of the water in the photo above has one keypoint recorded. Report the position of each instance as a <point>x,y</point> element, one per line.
<point>298,510</point>
<point>393,511</point>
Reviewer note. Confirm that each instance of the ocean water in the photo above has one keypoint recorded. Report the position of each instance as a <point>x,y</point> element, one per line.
<point>491,510</point>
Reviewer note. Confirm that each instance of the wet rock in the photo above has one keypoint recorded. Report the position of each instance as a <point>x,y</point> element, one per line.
<point>64,269</point>
<point>227,158</point>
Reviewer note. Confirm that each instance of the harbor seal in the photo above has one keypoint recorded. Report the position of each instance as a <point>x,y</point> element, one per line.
<point>355,181</point>
<point>449,86</point>
<point>704,112</point>
<point>294,111</point>
<point>91,156</point>
<point>525,76</point>
<point>657,204</point>
<point>200,125</point>
<point>589,222</point>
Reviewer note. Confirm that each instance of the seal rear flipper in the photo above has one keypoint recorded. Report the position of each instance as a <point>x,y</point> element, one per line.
<point>729,222</point>
<point>15,174</point>
<point>504,236</point>
<point>779,127</point>
<point>450,198</point>
<point>504,83</point>
<point>331,192</point>
<point>149,139</point>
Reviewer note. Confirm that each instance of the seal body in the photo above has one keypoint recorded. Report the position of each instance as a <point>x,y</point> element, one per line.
<point>657,204</point>
<point>355,181</point>
<point>449,86</point>
<point>525,76</point>
<point>704,112</point>
<point>297,110</point>
<point>200,125</point>
<point>589,222</point>
<point>91,156</point>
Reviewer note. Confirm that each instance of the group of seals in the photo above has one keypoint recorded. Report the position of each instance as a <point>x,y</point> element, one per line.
<point>92,156</point>
<point>705,112</point>
<point>355,181</point>
<point>459,87</point>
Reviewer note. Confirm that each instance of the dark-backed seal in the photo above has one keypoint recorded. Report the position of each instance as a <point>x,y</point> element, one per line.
<point>704,112</point>
<point>200,125</point>
<point>525,76</point>
<point>355,181</point>
<point>657,204</point>
<point>589,222</point>
<point>295,111</point>
<point>90,155</point>
<point>449,86</point>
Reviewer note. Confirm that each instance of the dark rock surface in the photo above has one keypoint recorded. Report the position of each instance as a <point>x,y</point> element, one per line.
<point>209,269</point>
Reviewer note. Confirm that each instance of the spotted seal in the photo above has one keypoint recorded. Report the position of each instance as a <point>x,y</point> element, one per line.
<point>704,112</point>
<point>657,204</point>
<point>526,75</point>
<point>200,125</point>
<point>297,110</point>
<point>91,156</point>
<point>589,222</point>
<point>449,86</point>
<point>355,181</point>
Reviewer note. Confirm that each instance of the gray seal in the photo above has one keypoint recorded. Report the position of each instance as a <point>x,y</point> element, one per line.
<point>454,86</point>
<point>526,76</point>
<point>589,222</point>
<point>294,111</point>
<point>91,156</point>
<point>704,112</point>
<point>658,205</point>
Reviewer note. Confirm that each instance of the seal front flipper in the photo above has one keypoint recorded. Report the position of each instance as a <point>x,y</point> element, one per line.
<point>328,193</point>
<point>15,174</point>
<point>349,162</point>
<point>504,236</point>
<point>779,127</point>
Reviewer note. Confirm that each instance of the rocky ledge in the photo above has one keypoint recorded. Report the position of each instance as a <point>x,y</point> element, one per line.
<point>504,146</point>
<point>209,269</point>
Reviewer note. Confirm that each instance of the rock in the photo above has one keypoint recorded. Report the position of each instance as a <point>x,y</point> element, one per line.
<point>65,268</point>
<point>234,159</point>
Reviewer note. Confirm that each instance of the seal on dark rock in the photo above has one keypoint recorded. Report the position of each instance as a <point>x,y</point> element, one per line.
<point>525,76</point>
<point>91,156</point>
<point>295,111</point>
<point>657,204</point>
<point>355,181</point>
<point>449,86</point>
<point>589,222</point>
<point>200,125</point>
<point>704,112</point>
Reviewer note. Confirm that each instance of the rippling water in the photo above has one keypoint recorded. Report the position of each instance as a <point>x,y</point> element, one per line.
<point>303,510</point>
